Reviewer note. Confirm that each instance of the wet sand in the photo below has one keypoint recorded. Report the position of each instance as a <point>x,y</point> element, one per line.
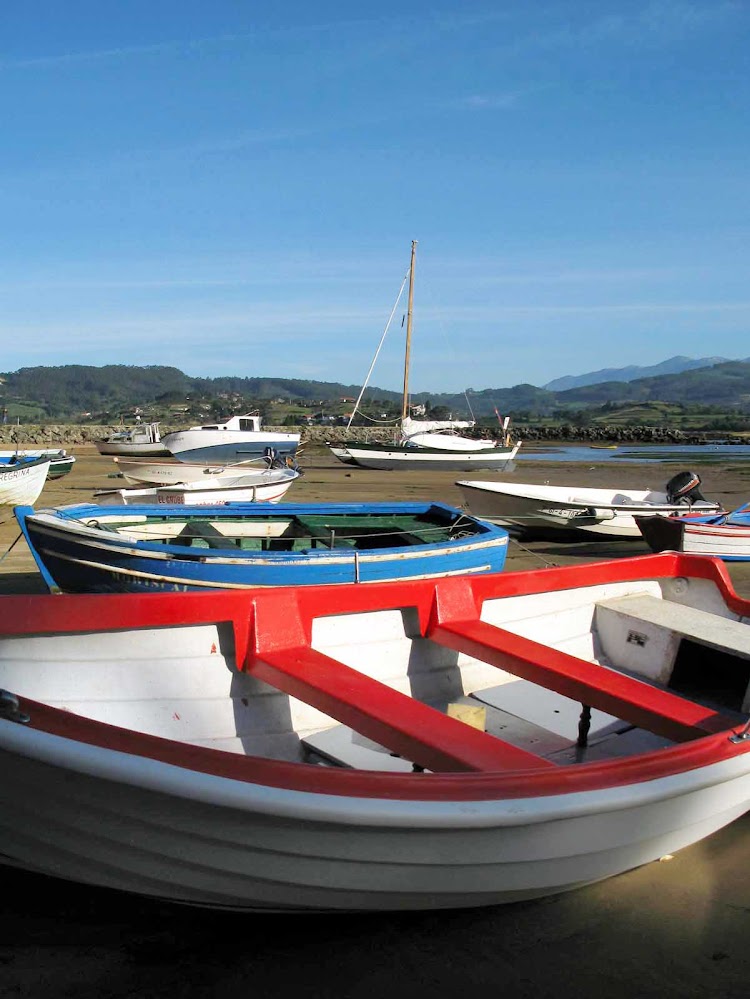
<point>679,927</point>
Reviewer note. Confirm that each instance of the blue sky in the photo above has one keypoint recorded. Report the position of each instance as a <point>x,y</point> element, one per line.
<point>233,187</point>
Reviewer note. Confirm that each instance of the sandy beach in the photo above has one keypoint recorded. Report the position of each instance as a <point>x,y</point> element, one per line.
<point>678,927</point>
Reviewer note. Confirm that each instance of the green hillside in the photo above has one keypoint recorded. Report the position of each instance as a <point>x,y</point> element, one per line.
<point>76,393</point>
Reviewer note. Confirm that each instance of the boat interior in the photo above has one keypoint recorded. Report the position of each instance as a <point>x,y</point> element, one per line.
<point>438,676</point>
<point>293,532</point>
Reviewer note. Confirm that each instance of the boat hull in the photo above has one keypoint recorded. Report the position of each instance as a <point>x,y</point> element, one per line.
<point>533,510</point>
<point>60,461</point>
<point>157,745</point>
<point>23,482</point>
<point>411,458</point>
<point>78,551</point>
<point>270,490</point>
<point>726,540</point>
<point>132,450</point>
<point>175,473</point>
<point>207,841</point>
<point>226,446</point>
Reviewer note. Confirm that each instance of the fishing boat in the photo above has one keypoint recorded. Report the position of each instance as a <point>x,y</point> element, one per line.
<point>60,462</point>
<point>725,536</point>
<point>90,548</point>
<point>236,439</point>
<point>178,473</point>
<point>532,510</point>
<point>263,486</point>
<point>22,479</point>
<point>430,445</point>
<point>415,745</point>
<point>142,440</point>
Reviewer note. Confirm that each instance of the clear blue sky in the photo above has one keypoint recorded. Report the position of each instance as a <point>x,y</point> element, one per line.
<point>232,187</point>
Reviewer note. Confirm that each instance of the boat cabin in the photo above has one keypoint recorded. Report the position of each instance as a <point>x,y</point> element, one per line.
<point>248,423</point>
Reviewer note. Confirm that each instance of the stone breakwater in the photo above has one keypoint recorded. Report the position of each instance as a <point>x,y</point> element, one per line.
<point>72,435</point>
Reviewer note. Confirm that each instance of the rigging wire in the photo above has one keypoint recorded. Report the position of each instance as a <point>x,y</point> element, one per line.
<point>377,352</point>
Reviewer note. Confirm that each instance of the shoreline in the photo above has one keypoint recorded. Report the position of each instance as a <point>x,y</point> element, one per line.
<point>325,479</point>
<point>673,929</point>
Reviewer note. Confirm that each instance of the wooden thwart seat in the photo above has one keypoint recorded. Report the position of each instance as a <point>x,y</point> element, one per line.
<point>407,727</point>
<point>634,701</point>
<point>689,622</point>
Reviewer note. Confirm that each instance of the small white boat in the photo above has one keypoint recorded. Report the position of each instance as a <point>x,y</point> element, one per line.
<point>176,473</point>
<point>22,479</point>
<point>237,439</point>
<point>143,440</point>
<point>531,509</point>
<point>268,486</point>
<point>428,744</point>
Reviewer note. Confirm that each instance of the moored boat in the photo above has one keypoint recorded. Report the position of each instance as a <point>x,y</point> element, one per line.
<point>142,440</point>
<point>177,473</point>
<point>429,445</point>
<point>61,462</point>
<point>89,548</point>
<point>239,438</point>
<point>725,536</point>
<point>22,479</point>
<point>412,745</point>
<point>533,510</point>
<point>268,485</point>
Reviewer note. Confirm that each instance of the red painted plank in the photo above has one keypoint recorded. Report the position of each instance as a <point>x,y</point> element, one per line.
<point>282,657</point>
<point>454,623</point>
<point>390,718</point>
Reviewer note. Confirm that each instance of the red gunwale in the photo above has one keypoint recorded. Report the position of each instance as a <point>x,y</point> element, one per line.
<point>266,645</point>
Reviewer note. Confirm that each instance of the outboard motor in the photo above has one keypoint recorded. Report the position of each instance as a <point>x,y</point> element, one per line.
<point>683,489</point>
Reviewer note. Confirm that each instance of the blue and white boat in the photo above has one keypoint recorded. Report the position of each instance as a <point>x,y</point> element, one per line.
<point>240,438</point>
<point>88,548</point>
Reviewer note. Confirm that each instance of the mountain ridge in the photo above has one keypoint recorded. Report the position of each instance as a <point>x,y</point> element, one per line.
<point>79,391</point>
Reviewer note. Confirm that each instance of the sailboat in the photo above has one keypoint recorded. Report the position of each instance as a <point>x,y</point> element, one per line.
<point>431,445</point>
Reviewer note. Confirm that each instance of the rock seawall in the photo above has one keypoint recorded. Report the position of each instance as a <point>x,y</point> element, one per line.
<point>72,435</point>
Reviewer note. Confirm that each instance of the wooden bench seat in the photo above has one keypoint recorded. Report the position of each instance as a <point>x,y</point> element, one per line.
<point>642,633</point>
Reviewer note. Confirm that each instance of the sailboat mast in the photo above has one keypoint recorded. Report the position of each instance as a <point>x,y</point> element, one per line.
<point>407,356</point>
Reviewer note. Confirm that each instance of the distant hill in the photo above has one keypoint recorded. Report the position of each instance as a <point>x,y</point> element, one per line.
<point>69,392</point>
<point>672,366</point>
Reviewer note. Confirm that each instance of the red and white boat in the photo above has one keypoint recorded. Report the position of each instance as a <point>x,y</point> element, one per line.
<point>725,536</point>
<point>409,745</point>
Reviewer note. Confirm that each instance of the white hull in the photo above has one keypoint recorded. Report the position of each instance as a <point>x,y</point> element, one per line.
<point>430,459</point>
<point>211,841</point>
<point>727,543</point>
<point>21,484</point>
<point>603,512</point>
<point>174,473</point>
<point>252,798</point>
<point>206,493</point>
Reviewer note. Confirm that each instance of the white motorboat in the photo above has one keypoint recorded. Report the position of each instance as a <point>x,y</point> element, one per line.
<point>532,509</point>
<point>237,439</point>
